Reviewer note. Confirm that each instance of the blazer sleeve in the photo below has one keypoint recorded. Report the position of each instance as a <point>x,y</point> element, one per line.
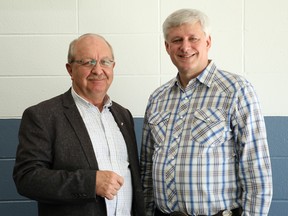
<point>50,162</point>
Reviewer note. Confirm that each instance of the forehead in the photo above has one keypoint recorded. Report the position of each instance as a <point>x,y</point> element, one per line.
<point>186,29</point>
<point>92,45</point>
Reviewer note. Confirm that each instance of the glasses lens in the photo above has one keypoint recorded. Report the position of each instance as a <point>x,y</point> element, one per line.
<point>105,62</point>
<point>87,62</point>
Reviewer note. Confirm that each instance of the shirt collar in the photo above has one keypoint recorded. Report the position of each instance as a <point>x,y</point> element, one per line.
<point>205,77</point>
<point>80,100</point>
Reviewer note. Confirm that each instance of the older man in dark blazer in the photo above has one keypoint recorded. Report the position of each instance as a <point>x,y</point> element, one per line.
<point>77,152</point>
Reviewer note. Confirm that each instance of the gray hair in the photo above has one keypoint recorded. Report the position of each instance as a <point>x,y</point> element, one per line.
<point>184,16</point>
<point>74,42</point>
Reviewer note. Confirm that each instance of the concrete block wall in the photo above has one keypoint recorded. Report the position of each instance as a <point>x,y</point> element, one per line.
<point>248,38</point>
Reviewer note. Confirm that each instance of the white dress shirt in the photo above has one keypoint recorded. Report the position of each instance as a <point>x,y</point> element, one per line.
<point>110,150</point>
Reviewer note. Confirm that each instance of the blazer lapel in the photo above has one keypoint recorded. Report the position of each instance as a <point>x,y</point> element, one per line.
<point>121,121</point>
<point>78,125</point>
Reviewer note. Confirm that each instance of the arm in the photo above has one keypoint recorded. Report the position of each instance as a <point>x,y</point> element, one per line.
<point>146,166</point>
<point>254,161</point>
<point>50,163</point>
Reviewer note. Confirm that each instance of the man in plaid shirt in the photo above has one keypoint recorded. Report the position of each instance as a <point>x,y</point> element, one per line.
<point>204,145</point>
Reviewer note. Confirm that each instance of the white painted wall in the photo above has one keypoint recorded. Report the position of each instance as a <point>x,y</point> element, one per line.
<point>249,37</point>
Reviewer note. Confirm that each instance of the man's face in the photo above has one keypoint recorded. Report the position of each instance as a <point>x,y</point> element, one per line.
<point>188,48</point>
<point>91,82</point>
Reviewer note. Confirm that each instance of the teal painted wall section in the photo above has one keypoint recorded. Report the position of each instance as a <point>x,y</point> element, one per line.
<point>12,204</point>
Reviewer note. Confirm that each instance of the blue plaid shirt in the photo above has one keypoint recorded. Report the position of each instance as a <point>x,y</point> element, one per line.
<point>212,136</point>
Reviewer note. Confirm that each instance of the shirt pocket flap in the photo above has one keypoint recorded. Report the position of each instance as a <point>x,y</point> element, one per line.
<point>158,117</point>
<point>208,115</point>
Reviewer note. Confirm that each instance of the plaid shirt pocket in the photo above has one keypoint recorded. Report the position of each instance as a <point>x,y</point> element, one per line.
<point>158,123</point>
<point>208,126</point>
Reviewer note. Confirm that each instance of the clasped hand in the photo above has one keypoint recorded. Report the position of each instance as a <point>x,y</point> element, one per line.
<point>108,183</point>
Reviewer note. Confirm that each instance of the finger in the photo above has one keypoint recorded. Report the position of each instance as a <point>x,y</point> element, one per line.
<point>120,180</point>
<point>108,183</point>
<point>109,197</point>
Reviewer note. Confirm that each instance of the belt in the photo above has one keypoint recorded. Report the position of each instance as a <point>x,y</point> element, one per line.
<point>233,212</point>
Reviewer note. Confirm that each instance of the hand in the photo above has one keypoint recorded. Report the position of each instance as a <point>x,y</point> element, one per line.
<point>108,183</point>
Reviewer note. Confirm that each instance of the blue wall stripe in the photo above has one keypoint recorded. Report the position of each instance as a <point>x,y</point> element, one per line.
<point>16,208</point>
<point>11,203</point>
<point>8,137</point>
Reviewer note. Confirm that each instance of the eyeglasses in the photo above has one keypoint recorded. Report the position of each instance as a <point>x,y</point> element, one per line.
<point>90,63</point>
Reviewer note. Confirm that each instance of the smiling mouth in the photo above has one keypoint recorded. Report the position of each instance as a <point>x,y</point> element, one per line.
<point>186,56</point>
<point>96,78</point>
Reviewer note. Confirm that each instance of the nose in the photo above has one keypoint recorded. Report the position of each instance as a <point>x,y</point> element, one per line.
<point>97,69</point>
<point>185,46</point>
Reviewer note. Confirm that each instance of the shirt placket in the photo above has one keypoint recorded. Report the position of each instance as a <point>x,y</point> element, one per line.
<point>112,151</point>
<point>177,130</point>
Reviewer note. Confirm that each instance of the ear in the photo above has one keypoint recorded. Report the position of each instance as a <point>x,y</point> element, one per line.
<point>167,47</point>
<point>69,69</point>
<point>208,42</point>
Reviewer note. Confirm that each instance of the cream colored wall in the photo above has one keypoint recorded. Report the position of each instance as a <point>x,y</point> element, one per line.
<point>249,37</point>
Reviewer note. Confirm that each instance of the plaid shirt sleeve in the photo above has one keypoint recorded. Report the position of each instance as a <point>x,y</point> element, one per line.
<point>146,166</point>
<point>254,161</point>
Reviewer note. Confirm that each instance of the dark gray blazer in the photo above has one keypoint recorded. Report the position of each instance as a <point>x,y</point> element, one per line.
<point>55,161</point>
